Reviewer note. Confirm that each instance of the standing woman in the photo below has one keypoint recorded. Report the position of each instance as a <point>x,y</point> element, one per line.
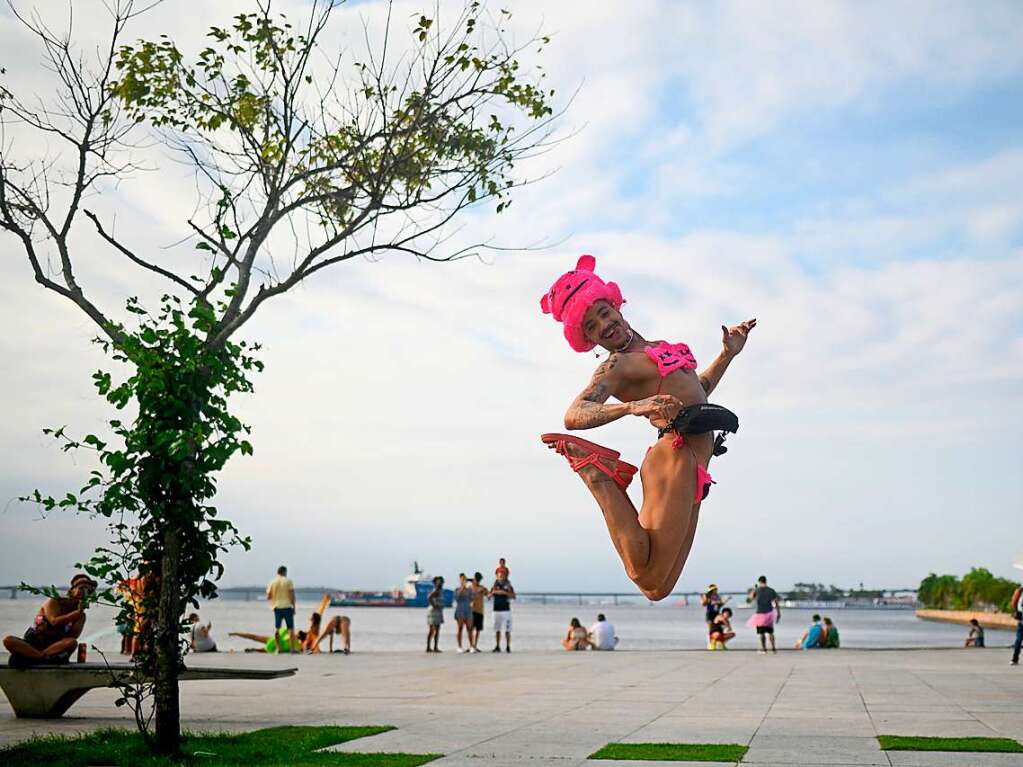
<point>656,380</point>
<point>435,614</point>
<point>463,611</point>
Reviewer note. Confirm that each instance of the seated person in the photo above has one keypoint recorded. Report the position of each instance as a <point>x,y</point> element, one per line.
<point>340,625</point>
<point>602,634</point>
<point>976,637</point>
<point>308,643</point>
<point>201,641</point>
<point>829,638</point>
<point>577,637</point>
<point>280,642</point>
<point>812,636</point>
<point>54,633</point>
<point>721,629</point>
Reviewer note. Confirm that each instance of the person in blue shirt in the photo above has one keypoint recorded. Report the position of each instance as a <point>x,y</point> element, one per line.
<point>812,636</point>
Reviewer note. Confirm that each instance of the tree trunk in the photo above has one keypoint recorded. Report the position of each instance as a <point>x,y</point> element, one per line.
<point>168,648</point>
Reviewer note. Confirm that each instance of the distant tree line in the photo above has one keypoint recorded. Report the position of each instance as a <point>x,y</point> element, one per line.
<point>977,590</point>
<point>818,592</point>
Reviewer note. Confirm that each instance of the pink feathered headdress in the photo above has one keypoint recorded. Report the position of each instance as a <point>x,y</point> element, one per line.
<point>574,293</point>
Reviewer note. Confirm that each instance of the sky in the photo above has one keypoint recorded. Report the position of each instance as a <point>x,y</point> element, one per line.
<point>847,173</point>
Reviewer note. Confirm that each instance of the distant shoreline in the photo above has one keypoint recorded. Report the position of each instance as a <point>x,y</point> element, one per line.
<point>998,621</point>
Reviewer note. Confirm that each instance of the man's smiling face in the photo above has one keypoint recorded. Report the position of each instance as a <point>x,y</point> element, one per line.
<point>605,326</point>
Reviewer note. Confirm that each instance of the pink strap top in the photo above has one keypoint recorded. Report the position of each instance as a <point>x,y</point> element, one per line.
<point>671,357</point>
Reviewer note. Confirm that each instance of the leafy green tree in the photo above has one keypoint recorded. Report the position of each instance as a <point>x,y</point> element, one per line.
<point>938,592</point>
<point>979,589</point>
<point>355,159</point>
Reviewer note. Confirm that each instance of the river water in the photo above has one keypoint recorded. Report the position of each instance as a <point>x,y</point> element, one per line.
<point>539,627</point>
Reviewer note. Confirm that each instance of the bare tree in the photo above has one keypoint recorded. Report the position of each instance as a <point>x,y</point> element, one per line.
<point>302,160</point>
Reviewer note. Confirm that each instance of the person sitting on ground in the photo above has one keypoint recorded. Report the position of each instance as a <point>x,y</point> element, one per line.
<point>201,641</point>
<point>602,634</point>
<point>811,638</point>
<point>712,603</point>
<point>721,629</point>
<point>976,637</point>
<point>280,643</point>
<point>307,642</point>
<point>577,637</point>
<point>829,636</point>
<point>54,633</point>
<point>342,626</point>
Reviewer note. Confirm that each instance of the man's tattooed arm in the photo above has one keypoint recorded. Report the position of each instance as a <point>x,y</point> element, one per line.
<point>711,377</point>
<point>589,408</point>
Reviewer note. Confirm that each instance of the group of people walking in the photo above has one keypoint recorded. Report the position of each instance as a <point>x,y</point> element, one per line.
<point>469,598</point>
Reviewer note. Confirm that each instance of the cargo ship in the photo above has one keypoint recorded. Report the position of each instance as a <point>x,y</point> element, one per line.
<point>413,593</point>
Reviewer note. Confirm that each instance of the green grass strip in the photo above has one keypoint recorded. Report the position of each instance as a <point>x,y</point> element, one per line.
<point>673,752</point>
<point>270,747</point>
<point>991,745</point>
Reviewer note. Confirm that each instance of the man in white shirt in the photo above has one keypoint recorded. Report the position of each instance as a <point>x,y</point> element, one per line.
<point>602,634</point>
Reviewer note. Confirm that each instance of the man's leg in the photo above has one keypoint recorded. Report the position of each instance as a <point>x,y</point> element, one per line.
<point>289,618</point>
<point>507,641</point>
<point>655,541</point>
<point>1018,644</point>
<point>771,635</point>
<point>278,622</point>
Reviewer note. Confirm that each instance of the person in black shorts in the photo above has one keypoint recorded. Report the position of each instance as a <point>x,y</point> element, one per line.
<point>767,613</point>
<point>479,592</point>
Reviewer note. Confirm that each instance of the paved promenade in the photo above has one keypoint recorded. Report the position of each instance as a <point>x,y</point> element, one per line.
<point>554,709</point>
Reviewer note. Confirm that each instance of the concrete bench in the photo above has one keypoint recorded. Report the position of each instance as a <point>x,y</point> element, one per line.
<point>47,691</point>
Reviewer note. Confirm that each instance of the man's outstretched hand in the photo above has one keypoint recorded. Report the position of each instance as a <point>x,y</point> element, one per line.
<point>734,338</point>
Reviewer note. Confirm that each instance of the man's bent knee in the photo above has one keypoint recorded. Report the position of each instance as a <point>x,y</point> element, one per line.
<point>656,595</point>
<point>652,590</point>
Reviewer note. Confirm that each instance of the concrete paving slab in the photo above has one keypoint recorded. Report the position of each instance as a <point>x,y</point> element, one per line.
<point>1009,725</point>
<point>860,726</point>
<point>554,709</point>
<point>906,724</point>
<point>806,750</point>
<point>679,729</point>
<point>950,759</point>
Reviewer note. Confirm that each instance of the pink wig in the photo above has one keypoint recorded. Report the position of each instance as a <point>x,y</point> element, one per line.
<point>573,294</point>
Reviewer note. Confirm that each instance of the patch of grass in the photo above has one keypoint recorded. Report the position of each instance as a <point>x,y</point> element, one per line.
<point>991,745</point>
<point>673,752</point>
<point>269,747</point>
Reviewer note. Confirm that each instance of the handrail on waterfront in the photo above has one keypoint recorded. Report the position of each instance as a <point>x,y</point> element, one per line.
<point>248,592</point>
